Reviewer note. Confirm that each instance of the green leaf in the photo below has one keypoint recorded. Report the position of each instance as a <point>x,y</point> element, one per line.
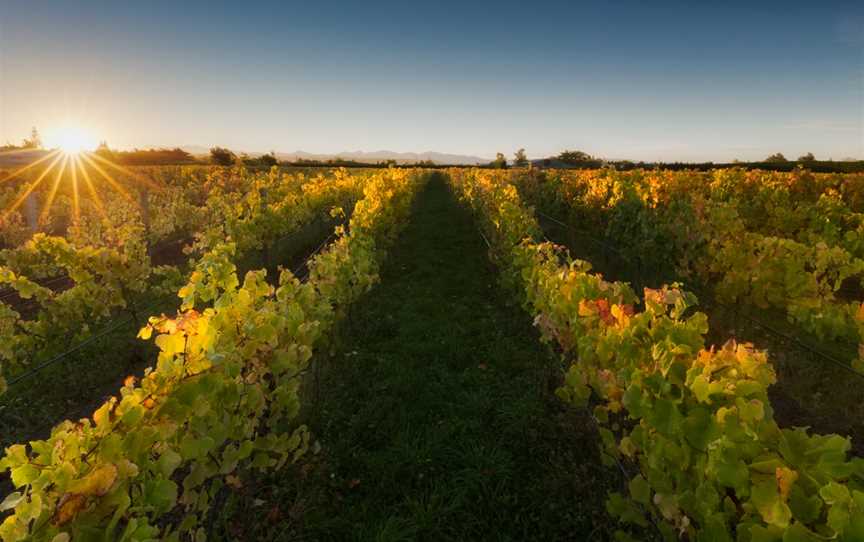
<point>133,415</point>
<point>700,387</point>
<point>160,494</point>
<point>633,401</point>
<point>700,428</point>
<point>640,490</point>
<point>714,530</point>
<point>621,536</point>
<point>834,493</point>
<point>192,447</point>
<point>799,533</point>
<point>759,533</point>
<point>752,410</point>
<point>838,518</point>
<point>624,510</point>
<point>855,530</point>
<point>766,498</point>
<point>734,474</point>
<point>168,462</point>
<point>805,508</point>
<point>24,474</point>
<point>665,417</point>
<point>11,501</point>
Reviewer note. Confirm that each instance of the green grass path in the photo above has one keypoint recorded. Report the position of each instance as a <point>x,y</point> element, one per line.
<point>436,415</point>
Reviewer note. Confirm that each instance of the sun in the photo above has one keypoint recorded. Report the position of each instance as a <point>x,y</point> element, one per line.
<point>71,139</point>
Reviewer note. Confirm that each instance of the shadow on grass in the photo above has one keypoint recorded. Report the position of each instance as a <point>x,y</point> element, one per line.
<point>435,414</point>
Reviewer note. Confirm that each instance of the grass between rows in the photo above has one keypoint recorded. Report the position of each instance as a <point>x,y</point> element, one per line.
<point>435,414</point>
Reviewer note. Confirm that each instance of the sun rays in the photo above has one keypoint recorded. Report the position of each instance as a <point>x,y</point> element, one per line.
<point>88,182</point>
<point>53,192</point>
<point>70,168</point>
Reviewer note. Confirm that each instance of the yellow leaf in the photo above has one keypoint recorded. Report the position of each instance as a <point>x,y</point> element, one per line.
<point>171,344</point>
<point>146,332</point>
<point>102,415</point>
<point>97,483</point>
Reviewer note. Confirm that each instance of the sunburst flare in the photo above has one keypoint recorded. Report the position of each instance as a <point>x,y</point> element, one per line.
<point>71,159</point>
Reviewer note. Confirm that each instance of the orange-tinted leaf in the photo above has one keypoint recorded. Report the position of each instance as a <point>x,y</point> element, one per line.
<point>97,483</point>
<point>68,508</point>
<point>785,479</point>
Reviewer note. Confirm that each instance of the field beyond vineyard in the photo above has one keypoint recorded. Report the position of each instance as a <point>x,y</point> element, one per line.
<point>415,354</point>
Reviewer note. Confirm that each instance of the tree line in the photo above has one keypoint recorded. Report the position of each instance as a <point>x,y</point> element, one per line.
<point>583,160</point>
<point>32,142</point>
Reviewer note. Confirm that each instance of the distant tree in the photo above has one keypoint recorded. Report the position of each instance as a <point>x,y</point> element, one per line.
<point>268,160</point>
<point>104,150</point>
<point>146,157</point>
<point>776,158</point>
<point>519,158</point>
<point>575,157</point>
<point>807,158</point>
<point>34,142</point>
<point>500,161</point>
<point>222,156</point>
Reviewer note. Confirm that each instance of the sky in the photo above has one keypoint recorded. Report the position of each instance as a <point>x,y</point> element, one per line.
<point>620,79</point>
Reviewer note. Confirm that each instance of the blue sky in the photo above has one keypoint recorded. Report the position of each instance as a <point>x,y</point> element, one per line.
<point>639,80</point>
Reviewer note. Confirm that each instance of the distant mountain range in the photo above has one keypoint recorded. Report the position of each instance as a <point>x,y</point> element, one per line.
<point>371,157</point>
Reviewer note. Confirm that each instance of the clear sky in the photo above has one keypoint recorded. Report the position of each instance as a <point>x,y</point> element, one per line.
<point>619,79</point>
